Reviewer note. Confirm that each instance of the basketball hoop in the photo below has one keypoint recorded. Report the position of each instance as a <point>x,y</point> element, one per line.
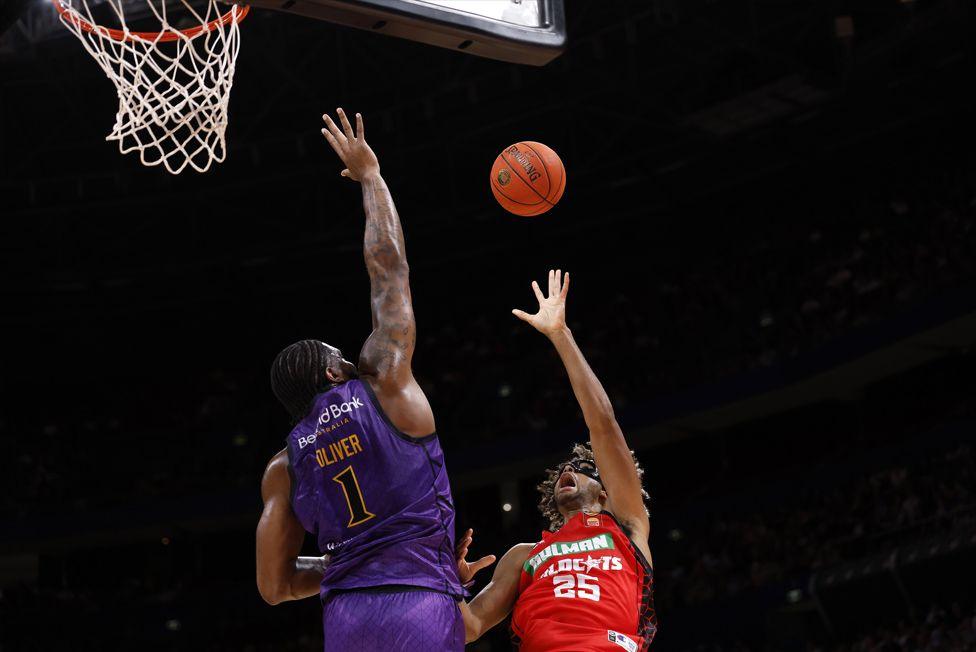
<point>173,85</point>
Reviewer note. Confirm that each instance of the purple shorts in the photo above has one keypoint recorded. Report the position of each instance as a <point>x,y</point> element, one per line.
<point>392,618</point>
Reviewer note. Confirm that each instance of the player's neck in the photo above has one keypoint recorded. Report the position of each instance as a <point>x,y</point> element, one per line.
<point>595,508</point>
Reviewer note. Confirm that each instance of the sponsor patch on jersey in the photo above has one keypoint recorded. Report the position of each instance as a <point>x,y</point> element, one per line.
<point>625,642</point>
<point>336,410</point>
<point>599,542</point>
<point>592,521</point>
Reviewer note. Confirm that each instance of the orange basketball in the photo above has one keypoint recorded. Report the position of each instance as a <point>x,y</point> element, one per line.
<point>528,178</point>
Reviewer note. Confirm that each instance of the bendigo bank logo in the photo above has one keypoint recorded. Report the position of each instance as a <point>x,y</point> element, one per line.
<point>332,411</point>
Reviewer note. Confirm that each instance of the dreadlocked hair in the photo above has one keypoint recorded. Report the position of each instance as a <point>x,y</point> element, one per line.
<point>298,375</point>
<point>547,488</point>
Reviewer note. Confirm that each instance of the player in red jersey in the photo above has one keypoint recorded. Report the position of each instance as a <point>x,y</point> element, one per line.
<point>587,585</point>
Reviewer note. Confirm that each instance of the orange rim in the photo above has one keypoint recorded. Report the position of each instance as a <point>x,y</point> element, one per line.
<point>168,35</point>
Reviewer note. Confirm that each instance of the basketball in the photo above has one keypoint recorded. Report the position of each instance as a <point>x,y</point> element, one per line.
<point>528,178</point>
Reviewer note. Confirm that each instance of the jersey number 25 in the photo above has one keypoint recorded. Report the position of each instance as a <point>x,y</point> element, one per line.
<point>576,586</point>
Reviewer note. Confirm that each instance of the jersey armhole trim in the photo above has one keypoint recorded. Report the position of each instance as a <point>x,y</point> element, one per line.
<point>399,433</point>
<point>648,568</point>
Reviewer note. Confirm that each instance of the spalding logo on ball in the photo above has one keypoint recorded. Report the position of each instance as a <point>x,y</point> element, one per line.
<point>528,178</point>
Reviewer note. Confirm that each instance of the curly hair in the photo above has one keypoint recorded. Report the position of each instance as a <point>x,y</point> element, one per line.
<point>547,488</point>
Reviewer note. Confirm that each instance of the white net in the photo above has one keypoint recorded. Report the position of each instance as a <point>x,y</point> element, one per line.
<point>173,85</point>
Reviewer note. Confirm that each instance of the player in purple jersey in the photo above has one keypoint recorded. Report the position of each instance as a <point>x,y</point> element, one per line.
<point>362,469</point>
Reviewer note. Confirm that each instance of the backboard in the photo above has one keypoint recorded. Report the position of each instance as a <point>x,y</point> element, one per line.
<point>530,32</point>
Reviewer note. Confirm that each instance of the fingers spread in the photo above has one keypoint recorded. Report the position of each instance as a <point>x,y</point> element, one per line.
<point>487,560</point>
<point>538,292</point>
<point>332,141</point>
<point>334,130</point>
<point>360,129</point>
<point>524,316</point>
<point>552,283</point>
<point>346,127</point>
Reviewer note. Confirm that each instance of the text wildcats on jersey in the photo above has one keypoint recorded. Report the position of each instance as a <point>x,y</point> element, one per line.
<point>598,542</point>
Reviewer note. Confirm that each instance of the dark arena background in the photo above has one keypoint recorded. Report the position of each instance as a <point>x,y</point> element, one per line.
<point>770,220</point>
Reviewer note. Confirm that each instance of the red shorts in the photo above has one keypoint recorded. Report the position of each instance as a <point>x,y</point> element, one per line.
<point>554,636</point>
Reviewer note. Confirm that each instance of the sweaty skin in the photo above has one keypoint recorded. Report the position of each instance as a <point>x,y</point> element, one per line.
<point>384,363</point>
<point>623,495</point>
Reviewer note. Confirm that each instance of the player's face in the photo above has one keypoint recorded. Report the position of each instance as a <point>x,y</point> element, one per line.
<point>348,369</point>
<point>575,491</point>
<point>345,370</point>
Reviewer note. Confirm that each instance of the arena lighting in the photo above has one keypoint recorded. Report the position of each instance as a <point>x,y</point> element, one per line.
<point>507,507</point>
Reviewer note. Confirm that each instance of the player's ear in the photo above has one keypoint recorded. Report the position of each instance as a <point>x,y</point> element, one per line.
<point>604,498</point>
<point>334,374</point>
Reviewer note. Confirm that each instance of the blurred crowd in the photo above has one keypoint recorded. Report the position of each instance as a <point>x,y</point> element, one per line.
<point>941,630</point>
<point>782,295</point>
<point>159,592</point>
<point>767,298</point>
<point>938,630</point>
<point>724,557</point>
<point>177,439</point>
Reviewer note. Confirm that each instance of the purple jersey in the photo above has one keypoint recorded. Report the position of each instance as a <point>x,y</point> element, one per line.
<point>376,499</point>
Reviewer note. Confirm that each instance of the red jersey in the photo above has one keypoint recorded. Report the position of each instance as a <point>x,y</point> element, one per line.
<point>585,587</point>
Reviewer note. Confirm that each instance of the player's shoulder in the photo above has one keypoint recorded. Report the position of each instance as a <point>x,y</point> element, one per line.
<point>637,531</point>
<point>276,472</point>
<point>509,568</point>
<point>522,548</point>
<point>278,462</point>
<point>518,554</point>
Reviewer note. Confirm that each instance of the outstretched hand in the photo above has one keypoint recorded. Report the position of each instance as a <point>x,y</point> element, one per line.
<point>356,155</point>
<point>467,570</point>
<point>551,317</point>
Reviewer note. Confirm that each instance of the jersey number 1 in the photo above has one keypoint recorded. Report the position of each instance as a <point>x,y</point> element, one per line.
<point>354,497</point>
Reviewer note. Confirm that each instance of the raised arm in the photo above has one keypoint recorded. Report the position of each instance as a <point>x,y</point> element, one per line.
<point>386,358</point>
<point>281,574</point>
<point>610,450</point>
